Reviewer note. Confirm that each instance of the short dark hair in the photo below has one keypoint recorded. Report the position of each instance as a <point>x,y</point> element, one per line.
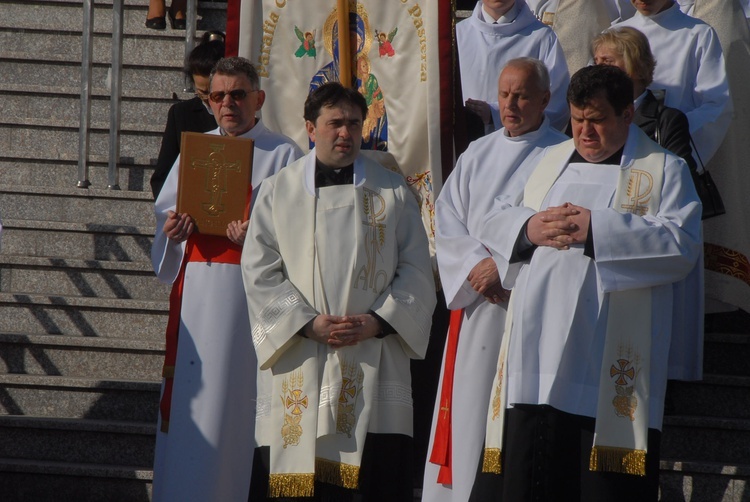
<point>237,66</point>
<point>591,82</point>
<point>331,94</point>
<point>205,55</point>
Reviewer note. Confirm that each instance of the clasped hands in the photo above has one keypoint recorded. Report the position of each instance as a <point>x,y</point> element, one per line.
<point>341,331</point>
<point>559,226</point>
<point>179,226</point>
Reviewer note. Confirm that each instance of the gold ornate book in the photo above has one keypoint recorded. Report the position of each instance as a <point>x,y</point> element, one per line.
<point>214,183</point>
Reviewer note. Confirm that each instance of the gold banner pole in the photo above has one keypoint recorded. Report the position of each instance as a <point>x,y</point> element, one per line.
<point>345,59</point>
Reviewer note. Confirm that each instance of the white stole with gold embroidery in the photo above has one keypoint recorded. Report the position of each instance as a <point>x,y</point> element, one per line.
<point>620,440</point>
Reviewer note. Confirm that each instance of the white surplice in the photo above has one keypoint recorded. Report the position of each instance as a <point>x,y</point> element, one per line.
<point>690,68</point>
<point>492,165</point>
<point>207,453</point>
<point>340,250</point>
<point>485,48</point>
<point>561,297</point>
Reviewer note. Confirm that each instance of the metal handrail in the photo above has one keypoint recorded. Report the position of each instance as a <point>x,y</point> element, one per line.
<point>115,96</point>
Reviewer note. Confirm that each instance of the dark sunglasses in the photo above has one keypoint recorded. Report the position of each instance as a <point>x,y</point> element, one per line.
<point>236,95</point>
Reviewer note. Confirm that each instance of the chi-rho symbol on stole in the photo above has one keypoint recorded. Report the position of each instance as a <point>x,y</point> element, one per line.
<point>216,167</point>
<point>369,276</point>
<point>640,185</point>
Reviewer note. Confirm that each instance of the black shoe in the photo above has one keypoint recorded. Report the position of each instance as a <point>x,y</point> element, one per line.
<point>177,24</point>
<point>156,23</point>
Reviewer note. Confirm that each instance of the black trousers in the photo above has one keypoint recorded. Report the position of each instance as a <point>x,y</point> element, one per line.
<point>546,458</point>
<point>386,474</point>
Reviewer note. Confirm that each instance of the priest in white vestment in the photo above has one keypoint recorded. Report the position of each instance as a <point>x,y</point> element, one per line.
<point>689,69</point>
<point>609,230</point>
<point>205,442</point>
<point>340,293</point>
<point>497,32</point>
<point>498,163</point>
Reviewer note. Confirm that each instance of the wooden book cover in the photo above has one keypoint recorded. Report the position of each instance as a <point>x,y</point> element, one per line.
<point>215,177</point>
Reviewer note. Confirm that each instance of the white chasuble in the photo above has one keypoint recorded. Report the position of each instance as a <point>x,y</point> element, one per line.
<point>336,250</point>
<point>561,300</point>
<point>493,165</point>
<point>207,453</point>
<point>485,48</point>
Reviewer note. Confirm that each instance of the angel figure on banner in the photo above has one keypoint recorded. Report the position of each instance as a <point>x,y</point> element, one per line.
<point>307,43</point>
<point>385,47</point>
<point>361,41</point>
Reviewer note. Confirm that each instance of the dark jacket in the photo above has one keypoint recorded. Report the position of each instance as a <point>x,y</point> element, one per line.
<point>674,131</point>
<point>189,116</point>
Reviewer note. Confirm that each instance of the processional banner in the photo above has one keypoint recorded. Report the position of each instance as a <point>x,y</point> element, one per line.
<point>395,65</point>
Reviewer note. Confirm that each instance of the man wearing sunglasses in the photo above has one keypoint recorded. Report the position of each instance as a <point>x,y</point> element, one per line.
<point>340,293</point>
<point>204,448</point>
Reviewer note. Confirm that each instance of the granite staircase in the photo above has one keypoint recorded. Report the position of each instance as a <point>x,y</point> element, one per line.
<point>82,316</point>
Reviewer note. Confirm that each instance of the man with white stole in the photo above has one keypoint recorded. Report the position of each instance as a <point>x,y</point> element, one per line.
<point>205,442</point>
<point>690,69</point>
<point>609,229</point>
<point>340,293</point>
<point>495,164</point>
<point>496,32</point>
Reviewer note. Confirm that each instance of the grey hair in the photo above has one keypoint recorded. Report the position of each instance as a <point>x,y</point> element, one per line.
<point>537,67</point>
<point>236,66</point>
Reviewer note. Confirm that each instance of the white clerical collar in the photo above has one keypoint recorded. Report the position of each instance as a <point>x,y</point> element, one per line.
<point>309,181</point>
<point>665,13</point>
<point>506,18</point>
<point>252,133</point>
<point>529,136</point>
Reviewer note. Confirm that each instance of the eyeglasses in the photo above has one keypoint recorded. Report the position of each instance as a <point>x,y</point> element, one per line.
<point>203,95</point>
<point>236,95</point>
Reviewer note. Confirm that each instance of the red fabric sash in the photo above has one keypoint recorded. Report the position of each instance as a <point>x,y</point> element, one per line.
<point>441,446</point>
<point>232,38</point>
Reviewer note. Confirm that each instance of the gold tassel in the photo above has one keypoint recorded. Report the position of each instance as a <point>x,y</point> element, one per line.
<point>291,485</point>
<point>491,462</point>
<point>165,426</point>
<point>167,372</point>
<point>622,460</point>
<point>336,473</point>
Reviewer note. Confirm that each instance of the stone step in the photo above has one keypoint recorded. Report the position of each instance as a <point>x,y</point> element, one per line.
<point>52,173</point>
<point>703,481</point>
<point>108,207</point>
<point>726,353</point>
<point>706,439</point>
<point>61,143</point>
<point>88,278</point>
<point>725,396</point>
<point>79,398</point>
<point>67,16</point>
<point>85,317</point>
<point>85,241</point>
<point>81,357</point>
<point>15,69</point>
<point>64,111</point>
<point>34,480</point>
<point>105,443</point>
<point>66,46</point>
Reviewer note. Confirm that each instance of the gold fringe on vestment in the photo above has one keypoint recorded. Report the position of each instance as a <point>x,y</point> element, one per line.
<point>491,462</point>
<point>622,460</point>
<point>336,473</point>
<point>291,485</point>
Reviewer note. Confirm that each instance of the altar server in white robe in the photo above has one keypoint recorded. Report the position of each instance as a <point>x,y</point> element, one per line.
<point>205,443</point>
<point>496,32</point>
<point>609,227</point>
<point>495,164</point>
<point>689,68</point>
<point>340,293</point>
